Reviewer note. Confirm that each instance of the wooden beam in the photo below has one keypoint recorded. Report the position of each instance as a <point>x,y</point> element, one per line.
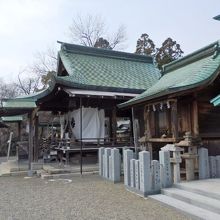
<point>162,140</point>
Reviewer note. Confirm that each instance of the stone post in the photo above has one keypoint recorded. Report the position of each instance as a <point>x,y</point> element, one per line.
<point>175,160</point>
<point>145,172</point>
<point>106,162</point>
<point>217,166</point>
<point>166,179</point>
<point>110,167</point>
<point>212,167</point>
<point>137,175</point>
<point>203,163</point>
<point>176,166</point>
<point>156,185</point>
<point>101,153</point>
<point>115,165</point>
<point>128,155</point>
<point>132,172</point>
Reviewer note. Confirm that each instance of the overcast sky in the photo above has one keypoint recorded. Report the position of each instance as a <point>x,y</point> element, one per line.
<point>28,26</point>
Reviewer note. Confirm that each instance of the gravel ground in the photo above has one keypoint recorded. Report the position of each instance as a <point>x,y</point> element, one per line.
<point>87,197</point>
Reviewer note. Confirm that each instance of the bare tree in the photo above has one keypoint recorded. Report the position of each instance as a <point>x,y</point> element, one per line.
<point>90,29</point>
<point>44,62</point>
<point>27,85</point>
<point>8,90</point>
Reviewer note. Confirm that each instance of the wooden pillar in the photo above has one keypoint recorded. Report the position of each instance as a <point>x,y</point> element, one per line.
<point>134,133</point>
<point>81,137</point>
<point>30,141</point>
<point>145,119</point>
<point>148,133</point>
<point>174,120</point>
<point>195,114</point>
<point>36,138</point>
<point>114,124</point>
<point>19,131</point>
<point>168,121</point>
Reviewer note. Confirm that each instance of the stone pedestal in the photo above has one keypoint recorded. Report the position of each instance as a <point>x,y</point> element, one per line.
<point>101,153</point>
<point>128,155</point>
<point>203,163</point>
<point>145,172</point>
<point>190,167</point>
<point>190,155</point>
<point>137,175</point>
<point>156,185</point>
<point>165,171</point>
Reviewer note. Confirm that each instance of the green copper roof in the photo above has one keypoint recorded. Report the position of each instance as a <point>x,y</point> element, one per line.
<point>22,104</point>
<point>19,104</point>
<point>93,67</point>
<point>12,118</point>
<point>34,96</point>
<point>216,101</point>
<point>189,72</point>
<point>217,17</point>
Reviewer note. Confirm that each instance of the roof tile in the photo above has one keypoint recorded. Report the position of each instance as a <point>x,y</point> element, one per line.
<point>110,69</point>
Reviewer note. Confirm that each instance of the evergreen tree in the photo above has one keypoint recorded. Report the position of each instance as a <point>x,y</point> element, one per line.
<point>168,52</point>
<point>145,46</point>
<point>102,43</point>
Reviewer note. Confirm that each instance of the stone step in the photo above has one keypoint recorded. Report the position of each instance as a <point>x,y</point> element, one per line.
<point>18,173</point>
<point>51,170</point>
<point>64,175</point>
<point>193,187</point>
<point>194,199</point>
<point>190,210</point>
<point>9,162</point>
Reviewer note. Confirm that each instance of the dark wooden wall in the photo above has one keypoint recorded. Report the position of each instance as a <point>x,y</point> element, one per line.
<point>139,114</point>
<point>209,118</point>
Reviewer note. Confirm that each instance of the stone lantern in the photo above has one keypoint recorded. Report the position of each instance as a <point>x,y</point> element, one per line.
<point>190,155</point>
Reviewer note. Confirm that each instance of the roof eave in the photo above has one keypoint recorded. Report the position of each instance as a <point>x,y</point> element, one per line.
<point>217,17</point>
<point>161,94</point>
<point>63,82</point>
<point>169,91</point>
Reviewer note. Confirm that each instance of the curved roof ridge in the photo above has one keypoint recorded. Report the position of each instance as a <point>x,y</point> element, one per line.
<point>101,52</point>
<point>192,57</point>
